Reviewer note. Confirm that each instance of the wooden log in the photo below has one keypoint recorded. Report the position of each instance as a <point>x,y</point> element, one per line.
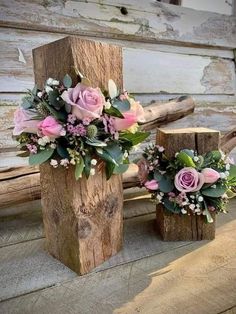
<point>174,227</point>
<point>83,219</point>
<point>228,141</point>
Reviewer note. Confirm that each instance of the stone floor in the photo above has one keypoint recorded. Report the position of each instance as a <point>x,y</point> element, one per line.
<point>147,276</point>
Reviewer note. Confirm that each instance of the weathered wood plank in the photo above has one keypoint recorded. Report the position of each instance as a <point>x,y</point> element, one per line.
<point>204,75</point>
<point>152,71</point>
<point>146,21</point>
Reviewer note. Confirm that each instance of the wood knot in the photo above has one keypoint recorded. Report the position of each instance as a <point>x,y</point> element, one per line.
<point>110,206</point>
<point>55,217</point>
<point>83,228</point>
<point>123,11</point>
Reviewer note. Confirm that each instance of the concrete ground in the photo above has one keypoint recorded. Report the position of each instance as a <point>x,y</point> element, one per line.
<point>147,276</point>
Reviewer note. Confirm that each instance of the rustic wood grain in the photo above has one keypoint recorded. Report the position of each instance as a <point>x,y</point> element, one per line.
<point>146,21</point>
<point>83,219</point>
<point>174,227</point>
<point>97,61</point>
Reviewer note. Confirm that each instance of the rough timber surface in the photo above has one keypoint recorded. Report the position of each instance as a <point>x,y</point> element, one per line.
<point>194,278</point>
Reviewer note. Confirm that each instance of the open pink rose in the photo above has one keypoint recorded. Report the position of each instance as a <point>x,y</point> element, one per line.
<point>137,109</point>
<point>50,127</point>
<point>151,185</point>
<point>129,119</point>
<point>210,175</point>
<point>86,102</point>
<point>23,122</point>
<point>142,170</point>
<point>189,179</point>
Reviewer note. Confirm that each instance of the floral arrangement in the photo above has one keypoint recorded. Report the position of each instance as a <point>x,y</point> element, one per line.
<point>188,183</point>
<point>79,126</point>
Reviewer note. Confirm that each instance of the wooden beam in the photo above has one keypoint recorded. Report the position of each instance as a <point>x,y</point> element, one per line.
<point>146,21</point>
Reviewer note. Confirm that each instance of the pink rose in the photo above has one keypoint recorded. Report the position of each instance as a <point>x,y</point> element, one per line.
<point>137,109</point>
<point>86,102</point>
<point>23,122</point>
<point>125,123</point>
<point>210,175</point>
<point>151,185</point>
<point>142,170</point>
<point>189,180</point>
<point>50,127</point>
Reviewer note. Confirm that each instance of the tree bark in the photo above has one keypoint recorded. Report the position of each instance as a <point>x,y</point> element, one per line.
<point>174,227</point>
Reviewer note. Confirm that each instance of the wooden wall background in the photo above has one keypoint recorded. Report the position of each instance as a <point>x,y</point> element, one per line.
<point>168,50</point>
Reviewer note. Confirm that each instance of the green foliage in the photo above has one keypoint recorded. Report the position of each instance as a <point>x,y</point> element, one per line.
<point>185,160</point>
<point>136,138</point>
<point>41,157</point>
<point>121,105</point>
<point>171,206</point>
<point>109,169</point>
<point>79,168</point>
<point>87,165</point>
<point>114,112</point>
<point>121,168</point>
<point>55,100</point>
<point>215,192</point>
<point>62,151</point>
<point>166,184</point>
<point>60,115</point>
<point>95,142</point>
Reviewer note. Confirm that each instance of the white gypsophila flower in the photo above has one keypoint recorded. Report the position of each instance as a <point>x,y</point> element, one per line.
<point>227,166</point>
<point>49,81</point>
<point>176,154</point>
<point>200,199</point>
<point>93,162</point>
<point>46,139</point>
<point>183,211</point>
<point>54,163</point>
<point>213,186</point>
<point>204,213</point>
<point>192,206</point>
<point>48,89</point>
<point>41,142</point>
<point>226,173</point>
<point>222,175</point>
<point>55,82</point>
<point>161,149</point>
<point>63,132</point>
<point>195,158</point>
<point>92,172</point>
<point>192,196</point>
<point>161,193</point>
<point>159,197</point>
<point>197,210</point>
<point>72,161</point>
<point>107,105</point>
<point>39,94</point>
<point>184,203</point>
<point>53,145</point>
<point>64,162</point>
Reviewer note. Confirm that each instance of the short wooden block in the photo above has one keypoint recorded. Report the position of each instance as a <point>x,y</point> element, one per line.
<point>174,227</point>
<point>83,219</point>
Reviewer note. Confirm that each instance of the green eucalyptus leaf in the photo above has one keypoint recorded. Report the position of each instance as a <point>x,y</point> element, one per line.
<point>217,192</point>
<point>166,184</point>
<point>79,168</point>
<point>87,165</point>
<point>26,103</point>
<point>59,115</point>
<point>67,81</point>
<point>185,160</point>
<point>112,111</point>
<point>109,169</point>
<point>106,157</point>
<point>136,138</point>
<point>35,90</point>
<point>41,157</point>
<point>189,152</point>
<point>121,105</point>
<point>23,154</point>
<point>232,172</point>
<point>62,151</point>
<point>115,152</point>
<point>121,168</point>
<point>171,206</point>
<point>55,100</point>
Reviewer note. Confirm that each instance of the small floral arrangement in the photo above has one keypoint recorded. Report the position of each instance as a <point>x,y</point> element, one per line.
<point>188,183</point>
<point>79,126</point>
